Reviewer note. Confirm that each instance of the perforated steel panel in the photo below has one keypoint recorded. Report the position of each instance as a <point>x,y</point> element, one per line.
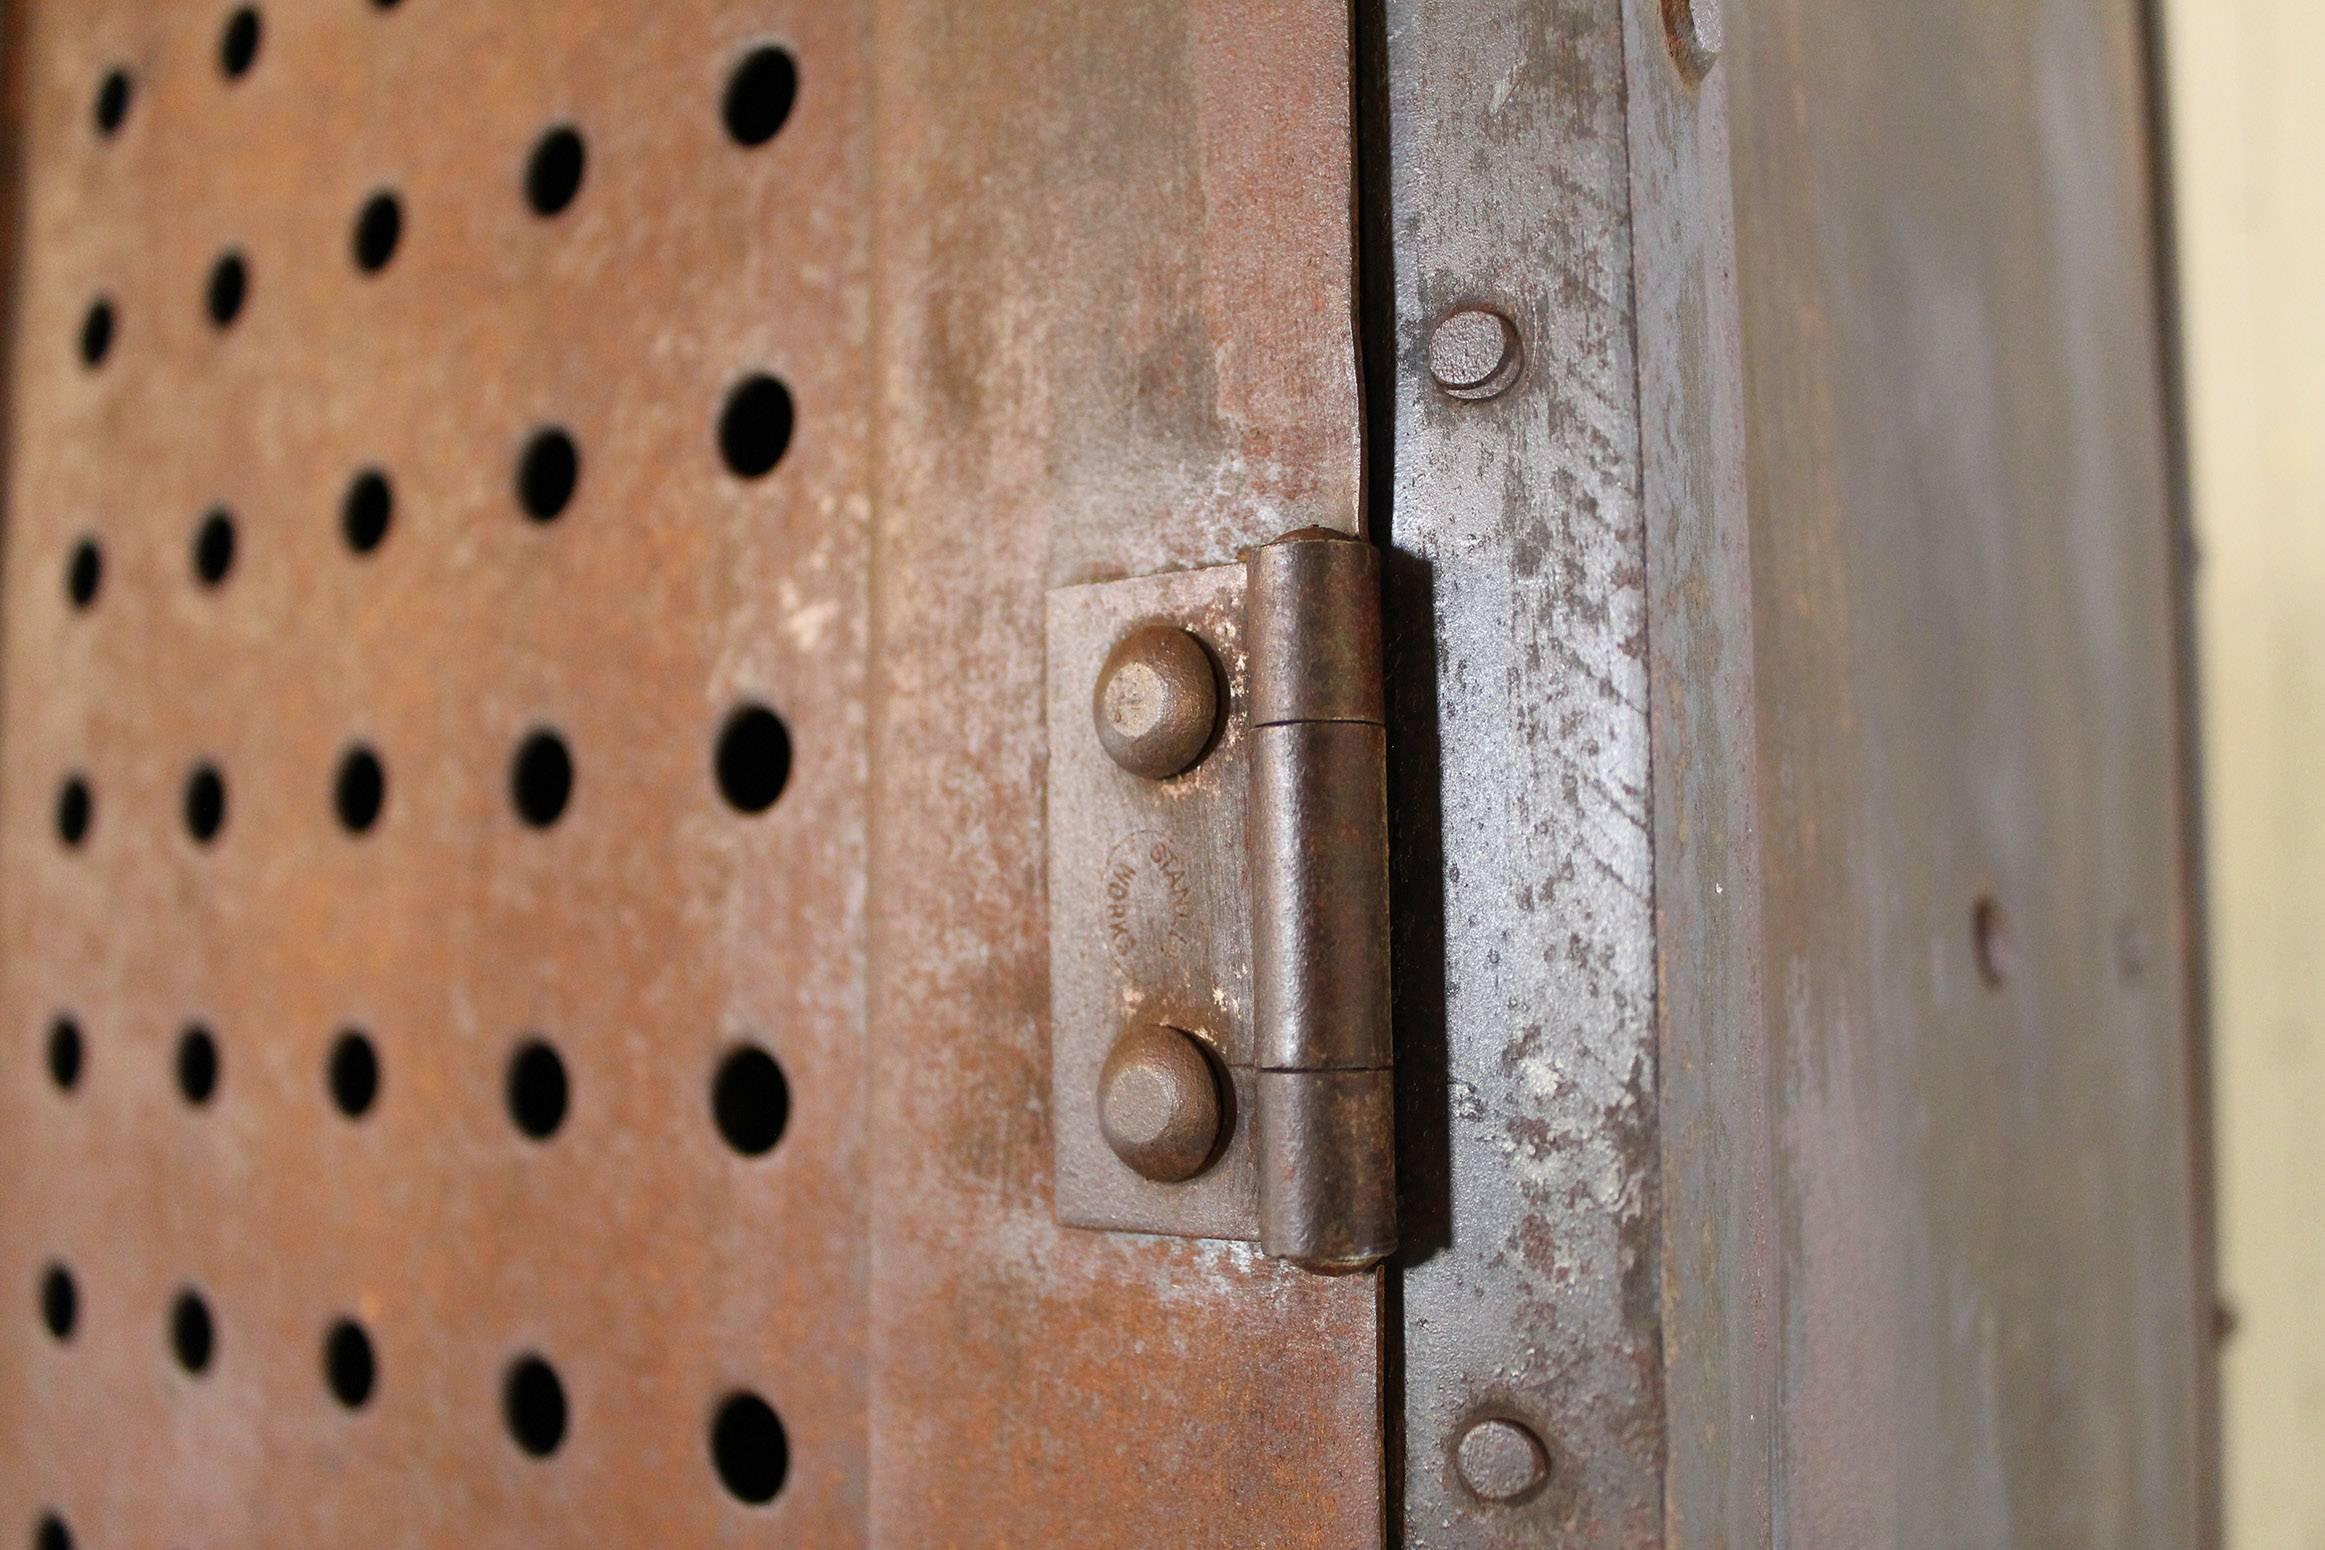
<point>496,678</point>
<point>221,635</point>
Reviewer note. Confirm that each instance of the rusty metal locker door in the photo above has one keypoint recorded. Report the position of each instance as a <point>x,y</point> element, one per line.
<point>524,901</point>
<point>576,894</point>
<point>436,546</point>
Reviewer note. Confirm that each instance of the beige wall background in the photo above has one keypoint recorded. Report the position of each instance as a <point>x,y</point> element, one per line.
<point>2249,128</point>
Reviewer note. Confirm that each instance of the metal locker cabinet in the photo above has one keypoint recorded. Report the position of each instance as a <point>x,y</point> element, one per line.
<point>694,765</point>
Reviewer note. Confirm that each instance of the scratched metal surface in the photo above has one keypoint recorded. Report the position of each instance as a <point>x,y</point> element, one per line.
<point>1719,1165</point>
<point>1065,398</point>
<point>1991,1314</point>
<point>1149,903</point>
<point>1525,966</point>
<point>1115,319</point>
<point>651,926</point>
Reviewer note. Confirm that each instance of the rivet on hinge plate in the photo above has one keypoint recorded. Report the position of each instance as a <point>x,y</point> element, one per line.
<point>1220,1054</point>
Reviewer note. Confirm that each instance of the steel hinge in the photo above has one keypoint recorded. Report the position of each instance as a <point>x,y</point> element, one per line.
<point>1219,969</point>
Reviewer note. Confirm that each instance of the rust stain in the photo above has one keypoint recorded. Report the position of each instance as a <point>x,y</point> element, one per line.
<point>1163,369</point>
<point>1114,335</point>
<point>648,929</point>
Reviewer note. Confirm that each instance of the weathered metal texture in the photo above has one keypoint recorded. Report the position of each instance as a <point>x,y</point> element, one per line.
<point>1327,1168</point>
<point>1115,339</point>
<point>1315,636</point>
<point>1719,1162</point>
<point>1156,702</point>
<point>1517,610</point>
<point>1319,922</point>
<point>1988,1306</point>
<point>643,933</point>
<point>1501,1461</point>
<point>1148,904</point>
<point>1318,838</point>
<point>1243,901</point>
<point>1159,1102</point>
<point>1475,352</point>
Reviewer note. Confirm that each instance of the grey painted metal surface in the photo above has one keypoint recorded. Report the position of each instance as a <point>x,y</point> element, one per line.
<point>1718,1159</point>
<point>1964,632</point>
<point>1933,1214</point>
<point>1875,526</point>
<point>1525,973</point>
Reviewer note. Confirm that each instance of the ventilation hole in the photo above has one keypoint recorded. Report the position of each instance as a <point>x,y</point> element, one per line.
<point>760,94</point>
<point>537,1090</point>
<point>553,176</point>
<point>348,1364</point>
<point>52,1534</point>
<point>64,1053</point>
<point>97,332</point>
<point>748,1445</point>
<point>754,430</point>
<point>238,45</point>
<point>197,1064</point>
<point>192,1336</point>
<point>378,227</point>
<point>229,285</point>
<point>1990,931</point>
<point>205,803</point>
<point>365,513</point>
<point>354,1073</point>
<point>547,473</point>
<point>84,572</point>
<point>361,790</point>
<point>754,759</point>
<point>385,5</point>
<point>533,1402</point>
<point>751,1101</point>
<point>214,547</point>
<point>76,808</point>
<point>112,104</point>
<point>60,1302</point>
<point>541,781</point>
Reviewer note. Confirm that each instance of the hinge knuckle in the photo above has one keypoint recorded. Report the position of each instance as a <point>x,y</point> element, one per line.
<point>1312,623</point>
<point>1327,1173</point>
<point>1318,831</point>
<point>1317,828</point>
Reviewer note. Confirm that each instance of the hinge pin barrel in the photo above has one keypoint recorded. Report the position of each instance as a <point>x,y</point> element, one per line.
<point>1317,829</point>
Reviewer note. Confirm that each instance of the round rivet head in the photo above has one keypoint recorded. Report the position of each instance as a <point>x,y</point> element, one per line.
<point>1158,1103</point>
<point>1501,1461</point>
<point>1697,31</point>
<point>1474,352</point>
<point>1157,701</point>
